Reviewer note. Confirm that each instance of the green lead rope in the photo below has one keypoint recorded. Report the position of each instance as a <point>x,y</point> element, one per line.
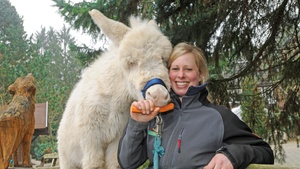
<point>158,151</point>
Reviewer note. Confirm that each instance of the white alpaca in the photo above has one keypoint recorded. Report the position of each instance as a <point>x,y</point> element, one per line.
<point>98,108</point>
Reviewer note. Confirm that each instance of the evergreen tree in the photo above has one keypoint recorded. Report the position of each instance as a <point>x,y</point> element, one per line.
<point>13,46</point>
<point>253,108</point>
<point>58,71</point>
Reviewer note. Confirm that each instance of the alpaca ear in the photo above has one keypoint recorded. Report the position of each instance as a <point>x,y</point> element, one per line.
<point>29,75</point>
<point>114,30</point>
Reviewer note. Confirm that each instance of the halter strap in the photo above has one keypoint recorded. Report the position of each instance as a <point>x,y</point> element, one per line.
<point>152,82</point>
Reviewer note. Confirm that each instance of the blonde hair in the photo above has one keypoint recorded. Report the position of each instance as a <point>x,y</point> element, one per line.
<point>183,48</point>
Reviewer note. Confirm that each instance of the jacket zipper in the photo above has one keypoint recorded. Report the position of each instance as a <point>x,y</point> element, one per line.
<point>170,145</point>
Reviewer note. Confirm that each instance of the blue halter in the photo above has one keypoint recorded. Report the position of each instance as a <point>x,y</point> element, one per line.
<point>152,82</point>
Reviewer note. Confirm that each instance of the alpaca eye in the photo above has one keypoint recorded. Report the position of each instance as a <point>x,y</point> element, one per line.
<point>165,61</point>
<point>132,64</point>
<point>12,92</point>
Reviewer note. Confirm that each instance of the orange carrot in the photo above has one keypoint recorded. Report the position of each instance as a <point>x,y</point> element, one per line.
<point>162,109</point>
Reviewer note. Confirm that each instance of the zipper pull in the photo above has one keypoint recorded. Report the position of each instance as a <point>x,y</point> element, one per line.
<point>179,141</point>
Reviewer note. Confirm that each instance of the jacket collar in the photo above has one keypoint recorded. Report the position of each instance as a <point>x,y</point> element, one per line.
<point>193,90</point>
<point>196,89</point>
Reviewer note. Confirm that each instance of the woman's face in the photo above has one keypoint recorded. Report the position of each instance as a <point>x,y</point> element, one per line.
<point>184,73</point>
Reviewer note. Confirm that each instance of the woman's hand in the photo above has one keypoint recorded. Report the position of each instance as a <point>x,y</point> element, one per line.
<point>148,111</point>
<point>219,161</point>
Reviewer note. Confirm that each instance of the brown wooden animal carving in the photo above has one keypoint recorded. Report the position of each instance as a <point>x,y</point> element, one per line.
<point>17,121</point>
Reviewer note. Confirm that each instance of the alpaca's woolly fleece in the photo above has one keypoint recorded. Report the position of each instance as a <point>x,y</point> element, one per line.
<point>98,107</point>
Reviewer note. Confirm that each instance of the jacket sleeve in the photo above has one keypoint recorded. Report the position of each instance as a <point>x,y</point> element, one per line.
<point>132,150</point>
<point>241,145</point>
